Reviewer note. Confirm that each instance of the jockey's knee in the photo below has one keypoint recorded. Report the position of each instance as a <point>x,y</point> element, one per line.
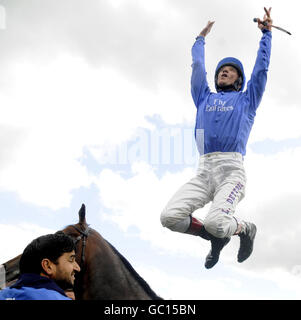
<point>173,221</point>
<point>167,219</point>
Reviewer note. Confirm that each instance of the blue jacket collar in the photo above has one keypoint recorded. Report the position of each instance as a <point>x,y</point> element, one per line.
<point>36,281</point>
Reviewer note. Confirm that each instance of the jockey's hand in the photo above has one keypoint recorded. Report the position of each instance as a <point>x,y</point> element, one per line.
<point>207,29</point>
<point>266,20</point>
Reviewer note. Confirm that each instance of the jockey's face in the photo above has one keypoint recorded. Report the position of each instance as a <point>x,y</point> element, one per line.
<point>227,76</point>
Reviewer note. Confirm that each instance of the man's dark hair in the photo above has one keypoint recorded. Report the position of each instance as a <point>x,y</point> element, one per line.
<point>50,246</point>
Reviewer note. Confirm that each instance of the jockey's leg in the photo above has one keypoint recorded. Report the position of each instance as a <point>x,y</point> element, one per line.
<point>177,215</point>
<point>220,221</point>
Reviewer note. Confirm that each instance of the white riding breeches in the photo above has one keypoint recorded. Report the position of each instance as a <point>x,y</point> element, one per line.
<point>220,178</point>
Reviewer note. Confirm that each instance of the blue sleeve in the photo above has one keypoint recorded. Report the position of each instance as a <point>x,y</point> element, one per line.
<point>199,85</point>
<point>256,85</point>
<point>28,293</point>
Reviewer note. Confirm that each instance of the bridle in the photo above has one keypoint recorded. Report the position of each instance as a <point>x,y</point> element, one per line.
<point>83,235</point>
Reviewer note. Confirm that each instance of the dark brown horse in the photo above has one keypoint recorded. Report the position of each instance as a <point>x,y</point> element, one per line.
<point>105,274</point>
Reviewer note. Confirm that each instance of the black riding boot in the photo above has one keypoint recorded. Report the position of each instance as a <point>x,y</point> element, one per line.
<point>217,244</point>
<point>196,228</point>
<point>247,236</point>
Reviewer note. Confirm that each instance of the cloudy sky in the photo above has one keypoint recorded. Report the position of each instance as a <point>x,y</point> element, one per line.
<point>96,108</point>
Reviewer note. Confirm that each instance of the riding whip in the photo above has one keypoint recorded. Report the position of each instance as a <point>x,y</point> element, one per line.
<point>265,24</point>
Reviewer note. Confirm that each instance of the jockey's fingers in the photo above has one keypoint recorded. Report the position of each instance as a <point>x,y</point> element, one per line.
<point>268,11</point>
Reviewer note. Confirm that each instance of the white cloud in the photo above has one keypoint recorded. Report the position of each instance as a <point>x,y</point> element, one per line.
<point>14,238</point>
<point>63,107</point>
<point>276,121</point>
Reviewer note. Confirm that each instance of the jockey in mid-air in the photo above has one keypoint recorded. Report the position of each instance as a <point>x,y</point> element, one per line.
<point>223,123</point>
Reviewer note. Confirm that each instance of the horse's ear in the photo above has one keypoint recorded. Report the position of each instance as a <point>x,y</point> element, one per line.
<point>82,214</point>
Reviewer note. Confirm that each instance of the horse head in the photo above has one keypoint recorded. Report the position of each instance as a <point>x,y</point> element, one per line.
<point>105,273</point>
<point>80,232</point>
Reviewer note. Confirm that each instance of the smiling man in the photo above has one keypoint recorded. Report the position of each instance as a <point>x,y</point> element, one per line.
<point>47,270</point>
<point>223,123</point>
